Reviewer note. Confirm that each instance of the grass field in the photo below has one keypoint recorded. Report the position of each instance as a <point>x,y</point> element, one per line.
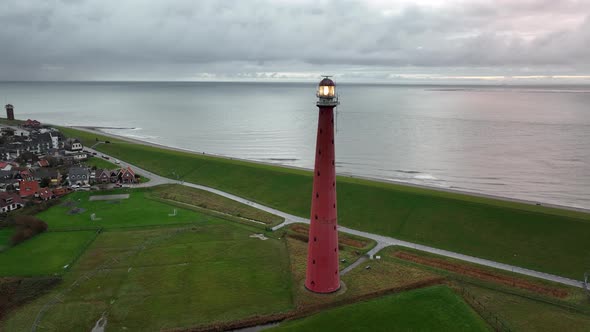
<point>393,273</point>
<point>100,163</point>
<point>136,211</point>
<point>381,278</point>
<point>211,272</point>
<point>429,309</point>
<point>208,200</point>
<point>44,254</point>
<point>5,235</point>
<point>524,314</point>
<point>535,237</point>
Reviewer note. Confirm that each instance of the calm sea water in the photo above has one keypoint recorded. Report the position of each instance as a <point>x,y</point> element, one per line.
<point>522,142</point>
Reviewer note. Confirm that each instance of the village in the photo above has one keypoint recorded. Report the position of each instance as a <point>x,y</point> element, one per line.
<point>38,163</point>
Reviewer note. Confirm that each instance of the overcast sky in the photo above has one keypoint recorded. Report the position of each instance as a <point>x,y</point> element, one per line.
<point>376,40</point>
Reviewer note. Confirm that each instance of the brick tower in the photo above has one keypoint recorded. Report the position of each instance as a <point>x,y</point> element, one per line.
<point>322,256</point>
<point>9,112</point>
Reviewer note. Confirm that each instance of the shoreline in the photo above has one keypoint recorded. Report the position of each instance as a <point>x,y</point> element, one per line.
<point>97,130</point>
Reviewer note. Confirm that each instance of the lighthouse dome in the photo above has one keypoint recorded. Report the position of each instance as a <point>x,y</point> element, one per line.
<point>327,82</point>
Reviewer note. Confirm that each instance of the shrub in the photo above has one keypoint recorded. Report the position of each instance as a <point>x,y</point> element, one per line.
<point>26,228</point>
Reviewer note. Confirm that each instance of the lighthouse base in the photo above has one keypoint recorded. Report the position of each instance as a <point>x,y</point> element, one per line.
<point>341,290</point>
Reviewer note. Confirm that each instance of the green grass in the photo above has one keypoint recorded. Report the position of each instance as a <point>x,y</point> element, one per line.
<point>100,163</point>
<point>5,235</point>
<point>136,211</point>
<point>525,314</point>
<point>44,254</point>
<point>430,309</point>
<point>208,200</point>
<point>212,273</point>
<point>536,237</point>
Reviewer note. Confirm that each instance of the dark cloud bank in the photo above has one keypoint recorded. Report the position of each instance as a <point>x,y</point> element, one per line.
<point>298,39</point>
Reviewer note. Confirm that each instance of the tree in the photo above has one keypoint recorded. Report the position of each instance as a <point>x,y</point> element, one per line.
<point>45,182</point>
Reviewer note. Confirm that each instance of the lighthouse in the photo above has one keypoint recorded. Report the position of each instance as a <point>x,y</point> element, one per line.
<point>9,112</point>
<point>322,257</point>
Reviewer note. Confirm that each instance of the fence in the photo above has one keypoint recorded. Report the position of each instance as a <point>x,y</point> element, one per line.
<point>492,319</point>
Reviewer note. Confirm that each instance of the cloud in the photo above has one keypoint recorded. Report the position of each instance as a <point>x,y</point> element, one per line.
<point>185,39</point>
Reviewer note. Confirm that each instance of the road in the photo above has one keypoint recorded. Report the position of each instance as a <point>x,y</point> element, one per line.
<point>382,241</point>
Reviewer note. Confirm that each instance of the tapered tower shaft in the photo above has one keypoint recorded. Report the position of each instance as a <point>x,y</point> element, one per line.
<point>322,261</point>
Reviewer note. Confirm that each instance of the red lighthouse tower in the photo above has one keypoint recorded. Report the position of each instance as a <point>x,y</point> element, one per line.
<point>322,257</point>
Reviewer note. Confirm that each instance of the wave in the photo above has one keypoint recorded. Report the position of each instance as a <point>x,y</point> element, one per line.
<point>425,177</point>
<point>407,172</point>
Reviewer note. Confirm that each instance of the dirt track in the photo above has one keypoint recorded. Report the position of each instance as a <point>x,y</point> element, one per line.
<point>483,274</point>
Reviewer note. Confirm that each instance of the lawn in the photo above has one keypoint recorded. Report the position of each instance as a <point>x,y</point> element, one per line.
<point>430,309</point>
<point>536,237</point>
<point>136,211</point>
<point>100,163</point>
<point>44,254</point>
<point>210,272</point>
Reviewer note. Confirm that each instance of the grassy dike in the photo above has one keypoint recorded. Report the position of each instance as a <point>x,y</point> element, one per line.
<point>536,237</point>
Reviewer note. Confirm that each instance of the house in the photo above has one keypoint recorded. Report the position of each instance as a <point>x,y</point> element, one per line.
<point>78,176</point>
<point>114,175</point>
<point>54,141</point>
<point>8,179</point>
<point>5,166</point>
<point>58,192</point>
<point>126,175</point>
<point>52,174</point>
<point>102,176</point>
<point>41,163</point>
<point>46,194</point>
<point>32,124</point>
<point>28,188</point>
<point>10,201</point>
<point>7,131</point>
<point>73,145</point>
<point>21,132</point>
<point>78,156</point>
<point>25,175</point>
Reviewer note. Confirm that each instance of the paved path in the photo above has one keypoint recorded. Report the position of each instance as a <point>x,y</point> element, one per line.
<point>382,241</point>
<point>358,262</point>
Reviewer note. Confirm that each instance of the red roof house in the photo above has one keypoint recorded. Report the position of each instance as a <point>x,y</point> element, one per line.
<point>127,175</point>
<point>45,194</point>
<point>28,188</point>
<point>60,191</point>
<point>32,123</point>
<point>26,175</point>
<point>5,166</point>
<point>102,175</point>
<point>10,201</point>
<point>43,163</point>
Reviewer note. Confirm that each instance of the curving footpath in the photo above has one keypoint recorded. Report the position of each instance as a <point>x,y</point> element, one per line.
<point>382,241</point>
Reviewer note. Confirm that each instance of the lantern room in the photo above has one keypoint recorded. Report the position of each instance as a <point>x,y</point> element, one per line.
<point>327,92</point>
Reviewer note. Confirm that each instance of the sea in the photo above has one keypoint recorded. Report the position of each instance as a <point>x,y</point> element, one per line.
<point>524,142</point>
